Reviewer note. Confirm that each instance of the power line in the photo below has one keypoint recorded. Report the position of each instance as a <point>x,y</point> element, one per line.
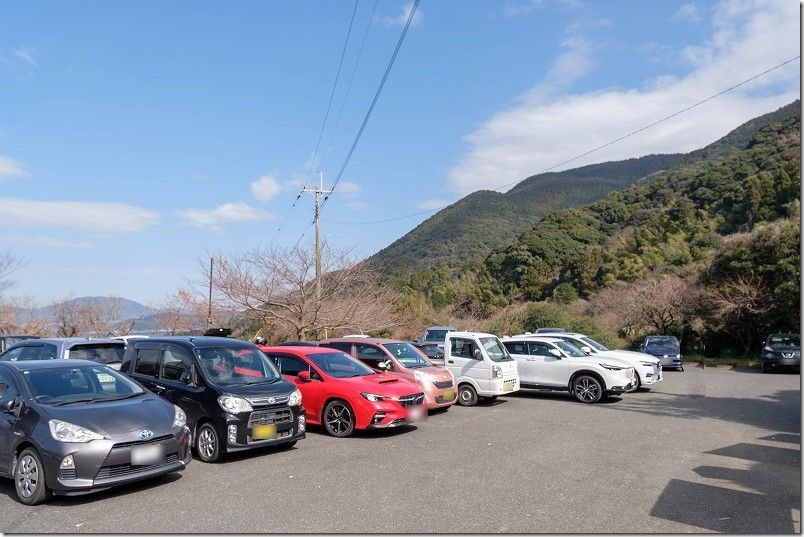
<point>607,144</point>
<point>374,101</point>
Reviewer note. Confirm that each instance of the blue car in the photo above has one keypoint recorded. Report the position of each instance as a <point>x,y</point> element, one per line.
<point>666,348</point>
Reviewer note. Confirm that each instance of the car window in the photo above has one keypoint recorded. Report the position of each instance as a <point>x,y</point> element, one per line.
<point>8,388</point>
<point>175,362</point>
<point>668,341</point>
<point>147,362</point>
<point>515,347</point>
<point>84,383</point>
<point>407,355</point>
<point>291,365</point>
<point>495,350</point>
<point>345,347</point>
<point>49,352</point>
<point>12,355</point>
<point>232,365</point>
<point>537,348</point>
<point>462,348</point>
<point>436,335</point>
<point>103,353</point>
<point>340,365</point>
<point>785,340</point>
<point>371,355</point>
<point>570,350</point>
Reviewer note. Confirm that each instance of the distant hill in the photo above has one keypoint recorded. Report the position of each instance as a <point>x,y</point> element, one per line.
<point>482,221</point>
<point>125,308</point>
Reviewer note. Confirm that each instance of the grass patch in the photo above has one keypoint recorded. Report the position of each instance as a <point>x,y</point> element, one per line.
<point>738,361</point>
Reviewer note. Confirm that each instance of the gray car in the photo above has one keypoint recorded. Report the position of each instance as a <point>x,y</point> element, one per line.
<point>102,350</point>
<point>74,426</point>
<point>781,351</point>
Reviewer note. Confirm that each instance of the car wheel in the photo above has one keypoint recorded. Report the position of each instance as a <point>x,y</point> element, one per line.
<point>587,389</point>
<point>29,478</point>
<point>207,444</point>
<point>339,420</point>
<point>467,396</point>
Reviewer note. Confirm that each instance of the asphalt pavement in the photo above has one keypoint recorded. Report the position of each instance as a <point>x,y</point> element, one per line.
<point>707,450</point>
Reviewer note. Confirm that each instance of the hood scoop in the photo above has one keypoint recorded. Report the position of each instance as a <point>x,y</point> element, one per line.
<point>386,381</point>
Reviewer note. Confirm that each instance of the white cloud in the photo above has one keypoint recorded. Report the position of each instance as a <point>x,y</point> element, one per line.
<point>11,168</point>
<point>517,9</point>
<point>547,128</point>
<point>49,242</point>
<point>265,188</point>
<point>402,18</point>
<point>347,187</point>
<point>97,217</point>
<point>689,12</point>
<point>27,55</point>
<point>228,212</point>
<point>431,204</point>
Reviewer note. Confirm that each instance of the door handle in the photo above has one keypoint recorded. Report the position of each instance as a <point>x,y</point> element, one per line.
<point>159,388</point>
<point>450,362</point>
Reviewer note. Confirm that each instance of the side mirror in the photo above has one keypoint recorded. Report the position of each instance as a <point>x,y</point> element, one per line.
<point>304,375</point>
<point>186,377</point>
<point>382,365</point>
<point>477,355</point>
<point>8,406</point>
<point>586,350</point>
<point>555,352</point>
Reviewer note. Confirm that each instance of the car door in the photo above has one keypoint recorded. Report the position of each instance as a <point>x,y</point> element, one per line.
<point>371,355</point>
<point>466,360</point>
<point>147,360</point>
<point>8,392</point>
<point>290,366</point>
<point>177,382</point>
<point>519,352</point>
<point>551,370</point>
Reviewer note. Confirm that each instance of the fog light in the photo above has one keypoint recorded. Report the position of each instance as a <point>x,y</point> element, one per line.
<point>378,417</point>
<point>232,434</point>
<point>67,462</point>
<point>301,424</point>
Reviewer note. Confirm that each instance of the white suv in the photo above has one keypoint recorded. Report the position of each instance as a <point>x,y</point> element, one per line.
<point>549,363</point>
<point>647,367</point>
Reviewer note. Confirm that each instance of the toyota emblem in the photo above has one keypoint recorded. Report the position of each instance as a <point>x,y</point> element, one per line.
<point>146,434</point>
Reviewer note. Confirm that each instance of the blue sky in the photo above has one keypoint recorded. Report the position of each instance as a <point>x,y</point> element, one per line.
<point>135,137</point>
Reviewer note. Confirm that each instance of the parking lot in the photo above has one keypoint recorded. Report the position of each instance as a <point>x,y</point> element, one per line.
<point>710,449</point>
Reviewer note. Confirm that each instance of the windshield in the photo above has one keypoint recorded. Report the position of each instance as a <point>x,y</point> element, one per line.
<point>84,383</point>
<point>594,344</point>
<point>666,341</point>
<point>570,350</point>
<point>104,353</point>
<point>785,340</point>
<point>436,335</point>
<point>495,349</point>
<point>340,365</point>
<point>407,355</point>
<point>228,366</point>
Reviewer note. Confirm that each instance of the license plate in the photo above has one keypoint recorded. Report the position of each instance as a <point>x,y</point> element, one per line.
<point>417,413</point>
<point>263,432</point>
<point>448,394</point>
<point>507,387</point>
<point>146,455</point>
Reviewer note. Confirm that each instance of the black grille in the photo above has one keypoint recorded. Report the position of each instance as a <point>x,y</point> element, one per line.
<point>412,400</point>
<point>264,400</point>
<point>263,417</point>
<point>144,442</point>
<point>443,384</point>
<point>119,470</point>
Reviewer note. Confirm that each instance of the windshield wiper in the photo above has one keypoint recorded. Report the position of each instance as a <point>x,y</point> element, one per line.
<point>118,397</point>
<point>81,400</point>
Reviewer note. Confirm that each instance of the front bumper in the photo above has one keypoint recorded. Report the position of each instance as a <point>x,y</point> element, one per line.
<point>620,389</point>
<point>390,412</point>
<point>435,397</point>
<point>247,431</point>
<point>649,375</point>
<point>101,464</point>
<point>779,363</point>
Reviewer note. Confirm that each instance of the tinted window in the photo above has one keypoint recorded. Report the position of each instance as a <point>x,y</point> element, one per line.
<point>340,365</point>
<point>784,340</point>
<point>237,365</point>
<point>103,353</point>
<point>290,365</point>
<point>436,335</point>
<point>515,347</point>
<point>370,355</point>
<point>175,362</point>
<point>86,383</point>
<point>147,362</point>
<point>668,341</point>
<point>539,349</point>
<point>49,352</point>
<point>345,347</point>
<point>12,355</point>
<point>407,355</point>
<point>462,348</point>
<point>8,389</point>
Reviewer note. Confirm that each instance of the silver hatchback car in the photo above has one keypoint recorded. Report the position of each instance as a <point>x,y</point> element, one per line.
<point>104,351</point>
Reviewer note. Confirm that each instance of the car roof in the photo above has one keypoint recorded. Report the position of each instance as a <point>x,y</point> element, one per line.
<point>195,341</point>
<point>360,339</point>
<point>442,328</point>
<point>470,334</point>
<point>49,364</point>
<point>67,340</point>
<point>301,349</point>
<point>546,339</point>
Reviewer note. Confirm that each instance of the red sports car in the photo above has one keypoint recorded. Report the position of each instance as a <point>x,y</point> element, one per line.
<point>343,394</point>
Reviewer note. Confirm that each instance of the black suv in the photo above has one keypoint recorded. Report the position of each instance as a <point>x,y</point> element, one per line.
<point>780,351</point>
<point>233,396</point>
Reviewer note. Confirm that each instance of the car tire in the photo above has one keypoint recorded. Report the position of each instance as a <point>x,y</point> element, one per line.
<point>587,389</point>
<point>339,419</point>
<point>29,478</point>
<point>467,396</point>
<point>207,444</point>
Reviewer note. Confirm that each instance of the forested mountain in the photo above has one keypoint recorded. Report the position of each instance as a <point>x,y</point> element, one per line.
<point>482,221</point>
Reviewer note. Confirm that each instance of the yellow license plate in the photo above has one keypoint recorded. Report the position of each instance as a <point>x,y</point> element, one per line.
<point>448,394</point>
<point>507,387</point>
<point>263,432</point>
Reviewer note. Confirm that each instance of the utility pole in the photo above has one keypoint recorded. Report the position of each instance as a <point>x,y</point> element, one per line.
<point>209,315</point>
<point>317,192</point>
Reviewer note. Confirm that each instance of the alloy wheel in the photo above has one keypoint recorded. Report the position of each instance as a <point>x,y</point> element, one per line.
<point>338,418</point>
<point>587,390</point>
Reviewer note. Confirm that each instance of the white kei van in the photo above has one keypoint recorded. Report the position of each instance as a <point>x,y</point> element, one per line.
<point>481,365</point>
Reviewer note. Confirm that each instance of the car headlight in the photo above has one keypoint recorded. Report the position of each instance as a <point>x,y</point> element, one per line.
<point>373,397</point>
<point>768,348</point>
<point>496,372</point>
<point>179,417</point>
<point>295,398</point>
<point>69,432</point>
<point>611,367</point>
<point>234,405</point>
<point>647,364</point>
<point>420,376</point>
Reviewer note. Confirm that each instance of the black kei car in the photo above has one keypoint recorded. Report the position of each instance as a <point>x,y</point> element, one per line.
<point>781,351</point>
<point>75,426</point>
<point>234,397</point>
